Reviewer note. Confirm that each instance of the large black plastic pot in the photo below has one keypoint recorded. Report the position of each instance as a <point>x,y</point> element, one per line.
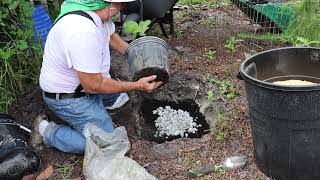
<point>285,120</point>
<point>149,56</point>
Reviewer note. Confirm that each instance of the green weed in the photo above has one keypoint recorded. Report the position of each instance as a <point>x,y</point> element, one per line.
<point>210,55</point>
<point>305,23</point>
<point>221,126</point>
<point>221,174</point>
<point>306,42</point>
<point>179,33</point>
<point>210,96</point>
<point>268,37</point>
<point>188,2</point>
<point>303,29</point>
<point>208,22</point>
<point>211,3</point>
<point>232,44</point>
<point>65,170</point>
<point>226,89</point>
<point>20,56</point>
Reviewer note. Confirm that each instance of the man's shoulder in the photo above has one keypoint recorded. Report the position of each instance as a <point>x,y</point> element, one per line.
<point>75,23</point>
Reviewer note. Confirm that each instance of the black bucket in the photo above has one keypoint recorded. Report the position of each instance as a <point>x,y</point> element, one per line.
<point>149,56</point>
<point>285,120</point>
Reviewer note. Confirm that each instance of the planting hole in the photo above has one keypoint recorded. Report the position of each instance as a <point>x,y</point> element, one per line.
<point>150,111</point>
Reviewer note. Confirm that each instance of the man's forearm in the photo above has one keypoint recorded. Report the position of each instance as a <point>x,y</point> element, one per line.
<point>118,44</point>
<point>110,86</point>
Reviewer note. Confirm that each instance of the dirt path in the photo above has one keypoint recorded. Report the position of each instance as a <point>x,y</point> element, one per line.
<point>198,48</point>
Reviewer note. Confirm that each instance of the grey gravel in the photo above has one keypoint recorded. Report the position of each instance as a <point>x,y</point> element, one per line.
<point>173,122</point>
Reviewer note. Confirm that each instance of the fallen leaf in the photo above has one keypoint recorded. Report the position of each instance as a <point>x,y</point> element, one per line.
<point>46,173</point>
<point>28,177</point>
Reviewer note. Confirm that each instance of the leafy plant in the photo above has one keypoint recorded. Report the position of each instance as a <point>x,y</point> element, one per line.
<point>226,89</point>
<point>306,42</point>
<point>210,96</point>
<point>210,55</point>
<point>305,23</point>
<point>221,125</point>
<point>20,56</point>
<point>135,29</point>
<point>232,43</point>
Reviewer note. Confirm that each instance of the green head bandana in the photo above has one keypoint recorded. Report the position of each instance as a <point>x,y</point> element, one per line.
<point>81,5</point>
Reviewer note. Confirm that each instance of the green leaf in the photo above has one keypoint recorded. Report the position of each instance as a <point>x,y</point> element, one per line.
<point>144,26</point>
<point>14,5</point>
<point>134,28</point>
<point>130,27</point>
<point>22,45</point>
<point>303,40</point>
<point>5,55</point>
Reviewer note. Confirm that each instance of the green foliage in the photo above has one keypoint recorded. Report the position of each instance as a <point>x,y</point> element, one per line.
<point>268,37</point>
<point>210,55</point>
<point>20,58</point>
<point>221,126</point>
<point>306,42</point>
<point>303,29</point>
<point>210,3</point>
<point>191,2</point>
<point>210,96</point>
<point>305,24</point>
<point>135,29</point>
<point>66,169</point>
<point>226,89</point>
<point>221,174</point>
<point>232,44</point>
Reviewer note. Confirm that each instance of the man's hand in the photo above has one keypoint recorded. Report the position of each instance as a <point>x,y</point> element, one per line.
<point>147,84</point>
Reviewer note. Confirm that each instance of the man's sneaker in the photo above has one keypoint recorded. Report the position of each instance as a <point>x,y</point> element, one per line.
<point>36,139</point>
<point>121,100</point>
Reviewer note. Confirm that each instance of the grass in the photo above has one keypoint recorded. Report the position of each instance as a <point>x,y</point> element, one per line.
<point>268,37</point>
<point>210,3</point>
<point>20,56</point>
<point>303,29</point>
<point>66,169</point>
<point>305,22</point>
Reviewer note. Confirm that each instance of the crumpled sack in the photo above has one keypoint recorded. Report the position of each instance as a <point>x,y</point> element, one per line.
<point>105,159</point>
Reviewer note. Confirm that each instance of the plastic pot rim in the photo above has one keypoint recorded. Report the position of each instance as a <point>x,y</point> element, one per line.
<point>153,39</point>
<point>272,86</point>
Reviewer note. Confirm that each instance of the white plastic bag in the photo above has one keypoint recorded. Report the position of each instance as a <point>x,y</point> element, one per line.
<point>104,156</point>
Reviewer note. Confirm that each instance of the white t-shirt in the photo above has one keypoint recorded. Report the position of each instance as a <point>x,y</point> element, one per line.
<point>75,43</point>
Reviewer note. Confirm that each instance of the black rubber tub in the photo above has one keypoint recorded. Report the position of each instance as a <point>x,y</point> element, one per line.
<point>17,159</point>
<point>285,120</point>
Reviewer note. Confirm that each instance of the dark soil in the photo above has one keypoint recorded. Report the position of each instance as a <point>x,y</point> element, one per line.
<point>197,31</point>
<point>162,74</point>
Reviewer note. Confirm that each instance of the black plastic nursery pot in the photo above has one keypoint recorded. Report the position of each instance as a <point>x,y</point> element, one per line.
<point>149,56</point>
<point>17,159</point>
<point>285,120</point>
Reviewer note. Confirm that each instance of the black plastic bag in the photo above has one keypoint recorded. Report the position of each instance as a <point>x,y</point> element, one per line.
<point>17,159</point>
